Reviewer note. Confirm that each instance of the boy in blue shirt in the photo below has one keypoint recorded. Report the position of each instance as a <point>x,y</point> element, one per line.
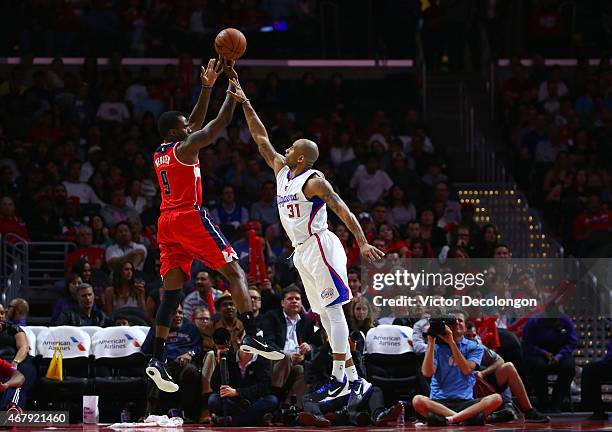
<point>450,364</point>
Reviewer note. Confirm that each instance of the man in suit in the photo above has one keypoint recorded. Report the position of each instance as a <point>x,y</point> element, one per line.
<point>292,333</point>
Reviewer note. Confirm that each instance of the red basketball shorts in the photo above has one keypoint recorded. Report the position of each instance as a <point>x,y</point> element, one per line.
<point>185,235</point>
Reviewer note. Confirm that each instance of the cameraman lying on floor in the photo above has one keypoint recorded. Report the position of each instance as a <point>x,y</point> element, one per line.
<point>450,361</point>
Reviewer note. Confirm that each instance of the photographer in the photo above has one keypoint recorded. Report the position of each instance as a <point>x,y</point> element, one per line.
<point>245,396</point>
<point>450,361</point>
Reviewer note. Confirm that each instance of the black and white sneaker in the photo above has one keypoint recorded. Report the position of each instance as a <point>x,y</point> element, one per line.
<point>255,345</point>
<point>333,389</point>
<point>156,370</point>
<point>359,389</point>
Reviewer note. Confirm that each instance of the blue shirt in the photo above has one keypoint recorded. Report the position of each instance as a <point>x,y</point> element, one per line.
<point>180,341</point>
<point>448,382</point>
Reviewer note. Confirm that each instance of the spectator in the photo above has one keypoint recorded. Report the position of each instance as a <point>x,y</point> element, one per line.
<point>86,314</point>
<point>14,348</point>
<point>226,319</point>
<point>100,231</point>
<point>247,398</point>
<point>503,375</point>
<point>126,291</point>
<point>229,212</point>
<point>10,380</point>
<point>201,317</point>
<point>265,210</point>
<point>203,296</point>
<point>17,311</point>
<point>9,221</point>
<point>595,374</point>
<point>125,250</point>
<point>117,211</point>
<point>354,281</point>
<point>184,356</point>
<point>401,211</point>
<point>94,277</point>
<point>85,250</point>
<point>430,232</point>
<point>452,209</point>
<point>255,177</point>
<point>379,214</point>
<point>138,235</point>
<point>69,300</point>
<point>134,198</point>
<point>485,245</point>
<point>362,315</point>
<point>113,109</point>
<point>550,340</point>
<point>393,243</point>
<point>288,330</point>
<point>450,366</point>
<point>434,175</point>
<point>77,188</point>
<point>370,183</point>
<point>593,220</point>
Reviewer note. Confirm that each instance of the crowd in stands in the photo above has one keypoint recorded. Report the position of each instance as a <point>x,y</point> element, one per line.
<point>559,124</point>
<point>75,166</point>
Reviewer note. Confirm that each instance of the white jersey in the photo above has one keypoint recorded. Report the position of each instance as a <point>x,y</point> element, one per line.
<point>301,217</point>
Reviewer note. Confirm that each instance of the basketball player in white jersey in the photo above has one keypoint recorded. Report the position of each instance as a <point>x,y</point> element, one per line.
<point>302,197</point>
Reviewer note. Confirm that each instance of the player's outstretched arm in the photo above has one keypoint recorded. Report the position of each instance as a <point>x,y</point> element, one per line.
<point>208,76</point>
<point>190,148</point>
<point>274,160</point>
<point>319,187</point>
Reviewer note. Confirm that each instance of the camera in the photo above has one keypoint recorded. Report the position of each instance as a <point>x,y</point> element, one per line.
<point>437,323</point>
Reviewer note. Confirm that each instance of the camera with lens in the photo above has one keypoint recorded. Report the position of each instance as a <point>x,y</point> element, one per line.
<point>437,323</point>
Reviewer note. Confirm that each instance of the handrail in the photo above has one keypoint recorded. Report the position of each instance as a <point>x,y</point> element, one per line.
<point>509,205</point>
<point>421,65</point>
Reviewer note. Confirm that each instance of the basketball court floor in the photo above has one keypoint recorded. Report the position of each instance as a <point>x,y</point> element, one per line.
<point>564,423</point>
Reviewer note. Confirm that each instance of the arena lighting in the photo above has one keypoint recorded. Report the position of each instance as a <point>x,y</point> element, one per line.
<point>163,61</point>
<point>549,62</point>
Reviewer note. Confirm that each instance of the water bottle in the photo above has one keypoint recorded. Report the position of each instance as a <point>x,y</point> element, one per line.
<point>401,418</point>
<point>125,414</point>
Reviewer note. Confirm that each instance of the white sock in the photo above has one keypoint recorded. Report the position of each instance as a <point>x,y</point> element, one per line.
<point>351,373</point>
<point>338,370</point>
<point>449,419</point>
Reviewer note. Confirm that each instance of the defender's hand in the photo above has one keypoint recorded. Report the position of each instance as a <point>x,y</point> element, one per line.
<point>371,253</point>
<point>238,93</point>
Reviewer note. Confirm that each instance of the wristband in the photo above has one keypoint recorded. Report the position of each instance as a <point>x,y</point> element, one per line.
<point>208,87</point>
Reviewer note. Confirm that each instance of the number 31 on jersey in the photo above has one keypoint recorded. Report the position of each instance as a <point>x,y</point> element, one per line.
<point>294,210</point>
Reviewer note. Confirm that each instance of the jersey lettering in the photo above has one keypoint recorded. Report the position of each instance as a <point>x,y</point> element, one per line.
<point>179,182</point>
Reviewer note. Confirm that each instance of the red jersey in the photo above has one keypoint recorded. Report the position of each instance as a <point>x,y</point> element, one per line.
<point>179,182</point>
<point>7,370</point>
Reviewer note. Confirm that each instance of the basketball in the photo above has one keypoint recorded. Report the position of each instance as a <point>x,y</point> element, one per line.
<point>230,44</point>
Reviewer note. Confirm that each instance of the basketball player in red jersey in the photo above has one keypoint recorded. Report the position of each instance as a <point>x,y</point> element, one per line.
<point>185,228</point>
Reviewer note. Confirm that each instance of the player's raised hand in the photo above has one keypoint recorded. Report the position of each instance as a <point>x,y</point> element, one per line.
<point>209,75</point>
<point>237,93</point>
<point>371,253</point>
<point>228,68</point>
